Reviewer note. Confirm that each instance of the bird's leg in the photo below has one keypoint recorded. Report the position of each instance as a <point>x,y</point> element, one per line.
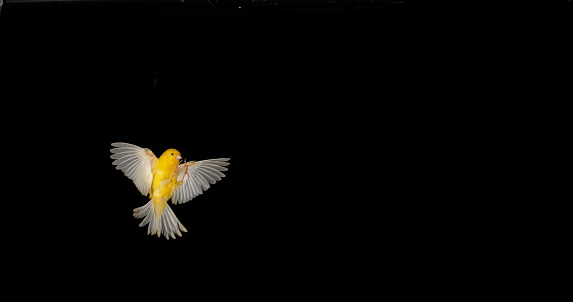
<point>185,174</point>
<point>186,167</point>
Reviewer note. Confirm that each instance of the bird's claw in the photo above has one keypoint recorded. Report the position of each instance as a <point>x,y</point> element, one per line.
<point>184,174</point>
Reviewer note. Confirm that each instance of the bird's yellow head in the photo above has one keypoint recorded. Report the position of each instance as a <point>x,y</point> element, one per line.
<point>170,157</point>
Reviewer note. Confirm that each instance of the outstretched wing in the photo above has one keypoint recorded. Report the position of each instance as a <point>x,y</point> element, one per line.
<point>201,174</point>
<point>136,163</point>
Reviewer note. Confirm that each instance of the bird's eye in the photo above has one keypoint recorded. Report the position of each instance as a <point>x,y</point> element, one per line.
<point>171,154</point>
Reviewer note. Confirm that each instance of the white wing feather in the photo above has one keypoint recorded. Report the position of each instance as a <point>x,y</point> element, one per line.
<point>201,174</point>
<point>136,163</point>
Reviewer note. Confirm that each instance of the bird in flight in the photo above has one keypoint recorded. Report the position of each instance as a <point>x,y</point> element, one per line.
<point>162,179</point>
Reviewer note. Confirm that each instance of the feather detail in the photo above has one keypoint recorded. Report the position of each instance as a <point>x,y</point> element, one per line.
<point>136,163</point>
<point>166,224</point>
<point>202,175</point>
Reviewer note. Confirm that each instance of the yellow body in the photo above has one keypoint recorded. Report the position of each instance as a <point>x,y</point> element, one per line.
<point>164,180</point>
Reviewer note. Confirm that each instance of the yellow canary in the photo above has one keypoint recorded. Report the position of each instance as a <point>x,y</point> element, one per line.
<point>165,178</point>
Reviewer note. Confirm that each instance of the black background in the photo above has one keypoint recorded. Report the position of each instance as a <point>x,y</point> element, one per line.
<point>338,121</point>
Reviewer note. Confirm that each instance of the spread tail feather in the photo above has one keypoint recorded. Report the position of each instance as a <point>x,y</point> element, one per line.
<point>168,224</point>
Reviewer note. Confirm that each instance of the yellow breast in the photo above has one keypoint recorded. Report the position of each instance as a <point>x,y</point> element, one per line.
<point>163,170</point>
<point>162,189</point>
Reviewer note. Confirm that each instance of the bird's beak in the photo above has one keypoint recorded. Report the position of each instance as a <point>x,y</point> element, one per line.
<point>178,157</point>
